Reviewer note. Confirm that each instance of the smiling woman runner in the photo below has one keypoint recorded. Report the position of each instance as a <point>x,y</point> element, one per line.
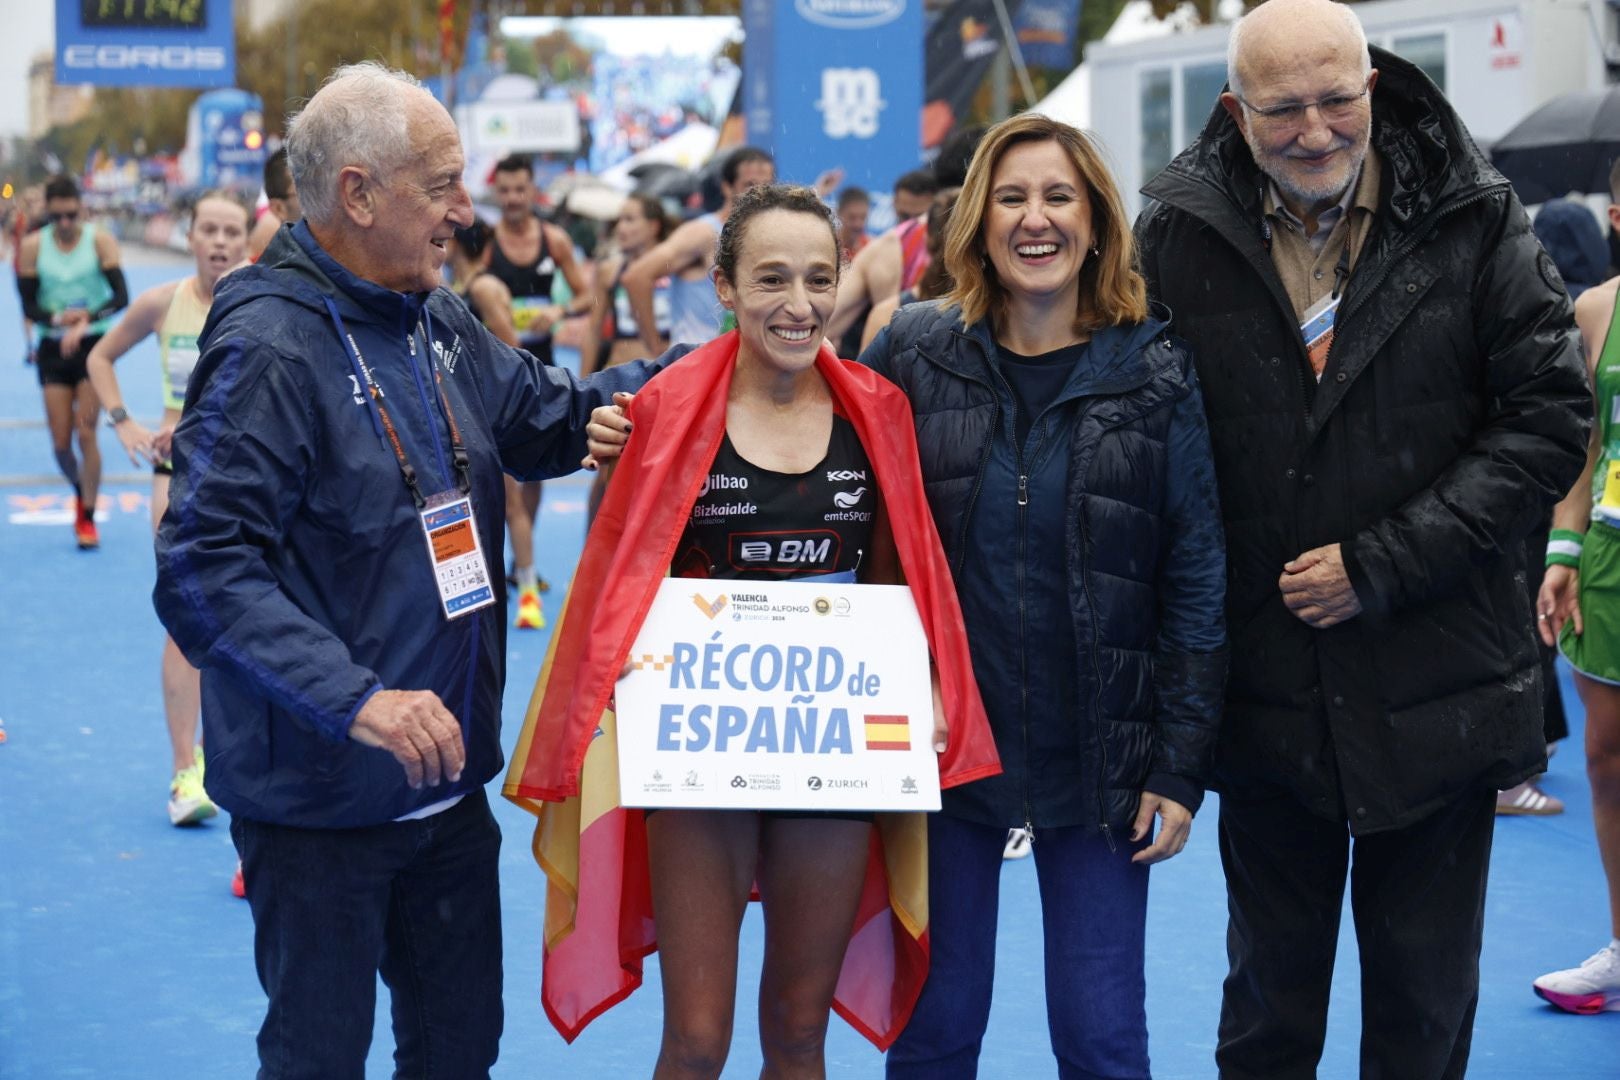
<point>770,407</point>
<point>175,312</point>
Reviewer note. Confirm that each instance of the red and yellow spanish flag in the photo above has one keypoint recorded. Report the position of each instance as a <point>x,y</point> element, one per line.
<point>888,732</point>
<point>599,916</point>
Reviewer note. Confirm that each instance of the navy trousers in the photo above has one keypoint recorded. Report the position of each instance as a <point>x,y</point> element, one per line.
<point>1093,911</point>
<point>418,901</point>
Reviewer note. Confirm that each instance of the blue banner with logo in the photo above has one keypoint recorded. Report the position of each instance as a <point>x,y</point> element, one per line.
<point>1045,30</point>
<point>224,141</point>
<point>835,84</point>
<point>145,42</point>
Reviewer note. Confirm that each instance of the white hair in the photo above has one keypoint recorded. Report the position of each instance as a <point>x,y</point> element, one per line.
<point>358,117</point>
<point>1234,43</point>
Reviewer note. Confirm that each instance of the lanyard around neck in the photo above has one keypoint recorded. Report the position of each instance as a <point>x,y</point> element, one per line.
<point>383,423</point>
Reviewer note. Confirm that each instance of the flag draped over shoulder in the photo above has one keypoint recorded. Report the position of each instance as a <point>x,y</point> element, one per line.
<point>599,919</point>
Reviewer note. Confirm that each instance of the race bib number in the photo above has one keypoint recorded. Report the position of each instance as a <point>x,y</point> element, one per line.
<point>1609,505</point>
<point>526,312</point>
<point>182,361</point>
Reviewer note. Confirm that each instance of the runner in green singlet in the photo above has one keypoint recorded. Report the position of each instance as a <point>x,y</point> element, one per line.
<point>71,285</point>
<point>1579,606</point>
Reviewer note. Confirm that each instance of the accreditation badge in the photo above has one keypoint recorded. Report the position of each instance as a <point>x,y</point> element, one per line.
<point>459,568</point>
<point>1317,329</point>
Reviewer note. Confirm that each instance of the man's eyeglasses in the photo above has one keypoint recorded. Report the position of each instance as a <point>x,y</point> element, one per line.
<point>63,216</point>
<point>1333,108</point>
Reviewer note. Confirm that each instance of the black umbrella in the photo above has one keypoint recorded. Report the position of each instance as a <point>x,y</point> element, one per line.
<point>1566,145</point>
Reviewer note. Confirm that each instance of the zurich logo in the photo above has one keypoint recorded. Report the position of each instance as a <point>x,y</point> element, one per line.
<point>850,14</point>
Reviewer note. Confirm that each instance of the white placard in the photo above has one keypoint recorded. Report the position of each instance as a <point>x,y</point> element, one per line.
<point>778,695</point>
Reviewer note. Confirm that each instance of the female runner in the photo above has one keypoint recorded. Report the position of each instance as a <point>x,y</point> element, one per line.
<point>175,312</point>
<point>611,335</point>
<point>767,406</point>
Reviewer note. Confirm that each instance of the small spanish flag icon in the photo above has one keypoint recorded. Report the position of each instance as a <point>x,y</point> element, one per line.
<point>888,732</point>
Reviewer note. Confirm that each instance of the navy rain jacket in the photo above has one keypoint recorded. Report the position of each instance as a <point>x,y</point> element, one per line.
<point>292,565</point>
<point>1135,704</point>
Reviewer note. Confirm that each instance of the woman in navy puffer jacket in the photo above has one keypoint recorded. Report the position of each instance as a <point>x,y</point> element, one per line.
<point>1068,468</point>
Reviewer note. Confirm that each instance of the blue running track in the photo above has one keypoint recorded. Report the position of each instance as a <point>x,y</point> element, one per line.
<point>123,953</point>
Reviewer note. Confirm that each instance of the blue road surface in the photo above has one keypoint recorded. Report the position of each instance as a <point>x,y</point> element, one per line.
<point>123,953</point>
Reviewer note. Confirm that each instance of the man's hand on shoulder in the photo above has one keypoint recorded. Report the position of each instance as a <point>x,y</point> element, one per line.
<point>1316,588</point>
<point>418,730</point>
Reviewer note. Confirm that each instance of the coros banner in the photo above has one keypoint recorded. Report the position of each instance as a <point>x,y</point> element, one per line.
<point>145,42</point>
<point>835,84</point>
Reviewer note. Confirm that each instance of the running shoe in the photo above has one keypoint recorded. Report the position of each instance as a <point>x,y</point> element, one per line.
<point>1019,844</point>
<point>188,802</point>
<point>1592,988</point>
<point>1528,799</point>
<point>512,581</point>
<point>530,616</point>
<point>238,883</point>
<point>84,527</point>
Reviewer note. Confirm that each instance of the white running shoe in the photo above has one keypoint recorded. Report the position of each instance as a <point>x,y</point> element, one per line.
<point>1019,842</point>
<point>1592,988</point>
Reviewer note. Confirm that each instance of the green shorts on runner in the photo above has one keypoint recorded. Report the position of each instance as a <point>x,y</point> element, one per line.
<point>1595,653</point>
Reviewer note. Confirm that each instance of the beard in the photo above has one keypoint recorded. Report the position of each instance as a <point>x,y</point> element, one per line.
<point>1298,183</point>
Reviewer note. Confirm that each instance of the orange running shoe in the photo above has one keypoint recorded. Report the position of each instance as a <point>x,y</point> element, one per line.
<point>530,616</point>
<point>84,527</point>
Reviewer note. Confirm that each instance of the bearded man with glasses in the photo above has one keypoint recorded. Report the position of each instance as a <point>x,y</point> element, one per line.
<point>1396,399</point>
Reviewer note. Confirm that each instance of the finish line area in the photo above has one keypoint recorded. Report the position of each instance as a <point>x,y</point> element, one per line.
<point>123,952</point>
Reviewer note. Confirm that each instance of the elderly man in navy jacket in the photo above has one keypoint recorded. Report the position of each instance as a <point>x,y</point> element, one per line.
<point>327,563</point>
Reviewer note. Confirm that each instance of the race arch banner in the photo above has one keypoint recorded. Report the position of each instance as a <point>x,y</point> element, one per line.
<point>188,43</point>
<point>835,84</point>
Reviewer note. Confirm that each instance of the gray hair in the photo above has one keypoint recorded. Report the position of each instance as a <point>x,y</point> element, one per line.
<point>358,117</point>
<point>1234,44</point>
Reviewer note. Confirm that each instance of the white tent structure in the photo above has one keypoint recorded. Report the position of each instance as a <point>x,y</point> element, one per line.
<point>690,148</point>
<point>1070,100</point>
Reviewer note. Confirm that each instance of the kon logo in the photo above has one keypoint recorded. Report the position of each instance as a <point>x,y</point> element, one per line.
<point>840,476</point>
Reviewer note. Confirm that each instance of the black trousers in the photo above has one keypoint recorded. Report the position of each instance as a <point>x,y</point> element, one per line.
<point>1418,898</point>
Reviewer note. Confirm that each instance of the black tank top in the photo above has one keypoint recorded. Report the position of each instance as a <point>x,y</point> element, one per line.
<point>531,292</point>
<point>754,524</point>
<point>524,281</point>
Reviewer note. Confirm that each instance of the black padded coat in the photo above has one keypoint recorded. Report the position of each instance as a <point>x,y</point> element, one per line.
<point>1452,414</point>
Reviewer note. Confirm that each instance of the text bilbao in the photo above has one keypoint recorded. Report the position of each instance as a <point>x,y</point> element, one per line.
<point>797,727</point>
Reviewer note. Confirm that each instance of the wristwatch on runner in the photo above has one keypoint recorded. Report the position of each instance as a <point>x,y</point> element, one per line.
<point>117,415</point>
